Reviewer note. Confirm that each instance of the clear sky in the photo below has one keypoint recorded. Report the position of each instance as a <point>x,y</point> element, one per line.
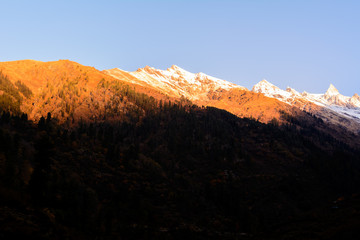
<point>305,44</point>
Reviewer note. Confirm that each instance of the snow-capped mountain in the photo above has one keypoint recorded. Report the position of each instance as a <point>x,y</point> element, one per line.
<point>270,90</point>
<point>176,81</point>
<point>332,100</point>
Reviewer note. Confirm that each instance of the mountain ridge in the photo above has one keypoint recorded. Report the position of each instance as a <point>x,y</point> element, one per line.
<point>176,81</point>
<point>72,92</point>
<point>330,106</point>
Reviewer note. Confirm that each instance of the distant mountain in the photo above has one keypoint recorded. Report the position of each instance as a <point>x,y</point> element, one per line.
<point>330,106</point>
<point>332,97</point>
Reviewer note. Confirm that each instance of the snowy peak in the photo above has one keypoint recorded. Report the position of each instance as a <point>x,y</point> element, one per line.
<point>265,87</point>
<point>148,69</point>
<point>172,71</point>
<point>270,90</point>
<point>355,101</point>
<point>333,97</point>
<point>356,96</point>
<point>176,69</point>
<point>292,91</point>
<point>332,91</point>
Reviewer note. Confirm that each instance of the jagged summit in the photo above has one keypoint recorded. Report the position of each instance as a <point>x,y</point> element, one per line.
<point>332,91</point>
<point>355,101</point>
<point>265,87</point>
<point>264,81</point>
<point>146,68</point>
<point>176,68</point>
<point>356,96</point>
<point>172,69</point>
<point>292,91</point>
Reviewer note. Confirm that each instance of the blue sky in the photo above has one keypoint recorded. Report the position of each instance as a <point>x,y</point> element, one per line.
<point>304,44</point>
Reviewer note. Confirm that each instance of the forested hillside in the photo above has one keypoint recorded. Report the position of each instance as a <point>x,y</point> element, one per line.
<point>172,170</point>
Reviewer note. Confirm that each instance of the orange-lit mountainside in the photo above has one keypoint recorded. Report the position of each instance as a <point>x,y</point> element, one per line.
<point>67,89</point>
<point>169,154</point>
<point>341,113</point>
<point>70,90</point>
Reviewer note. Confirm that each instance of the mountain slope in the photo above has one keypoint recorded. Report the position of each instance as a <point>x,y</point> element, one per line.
<point>69,90</point>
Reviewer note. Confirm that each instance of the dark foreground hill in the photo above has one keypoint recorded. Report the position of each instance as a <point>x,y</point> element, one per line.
<point>177,172</point>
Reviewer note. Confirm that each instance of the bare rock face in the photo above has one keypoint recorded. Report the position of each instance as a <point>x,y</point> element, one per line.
<point>333,97</point>
<point>355,101</point>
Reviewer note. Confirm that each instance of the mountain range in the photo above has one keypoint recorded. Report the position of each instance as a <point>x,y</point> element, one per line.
<point>50,81</point>
<point>205,90</point>
<point>72,91</point>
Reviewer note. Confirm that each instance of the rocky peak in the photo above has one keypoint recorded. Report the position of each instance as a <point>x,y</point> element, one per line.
<point>356,96</point>
<point>176,68</point>
<point>292,91</point>
<point>264,82</point>
<point>355,101</point>
<point>264,87</point>
<point>332,91</point>
<point>147,68</point>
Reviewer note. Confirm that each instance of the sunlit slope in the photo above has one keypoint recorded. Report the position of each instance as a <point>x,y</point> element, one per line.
<point>71,91</point>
